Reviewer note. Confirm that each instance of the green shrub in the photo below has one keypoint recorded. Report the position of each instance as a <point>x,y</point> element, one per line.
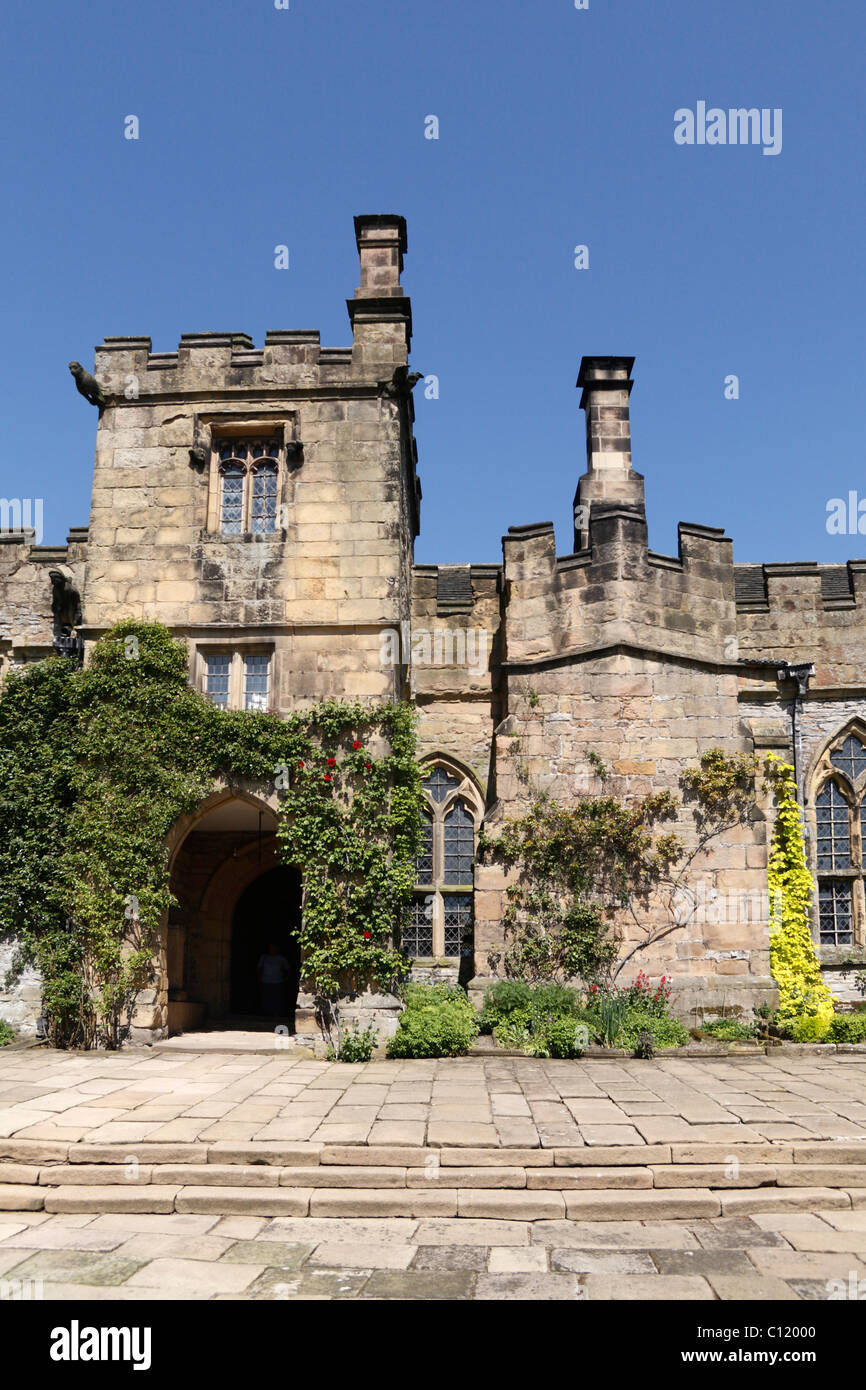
<point>645,1048</point>
<point>559,1036</point>
<point>438,1021</point>
<point>7,1033</point>
<point>554,999</point>
<point>847,1028</point>
<point>357,1045</point>
<point>544,1020</point>
<point>808,1027</point>
<point>665,1032</point>
<point>515,1031</point>
<point>501,1000</point>
<point>613,1011</point>
<point>730,1030</point>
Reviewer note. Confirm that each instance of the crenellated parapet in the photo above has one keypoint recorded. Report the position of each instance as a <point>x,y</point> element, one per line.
<point>805,612</point>
<point>175,530</point>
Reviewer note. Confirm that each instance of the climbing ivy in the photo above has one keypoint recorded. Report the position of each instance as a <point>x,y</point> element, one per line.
<point>97,765</point>
<point>805,1001</point>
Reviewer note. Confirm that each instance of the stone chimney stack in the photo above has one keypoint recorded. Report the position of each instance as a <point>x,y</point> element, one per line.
<point>606,384</point>
<point>380,312</point>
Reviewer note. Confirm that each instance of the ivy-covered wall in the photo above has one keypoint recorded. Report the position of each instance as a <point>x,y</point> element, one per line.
<point>97,765</point>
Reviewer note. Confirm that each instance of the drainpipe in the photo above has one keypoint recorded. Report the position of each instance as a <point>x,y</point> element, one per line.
<point>799,673</point>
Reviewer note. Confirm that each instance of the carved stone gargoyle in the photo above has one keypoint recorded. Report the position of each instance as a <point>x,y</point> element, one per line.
<point>401,385</point>
<point>66,614</point>
<point>201,447</point>
<point>88,386</point>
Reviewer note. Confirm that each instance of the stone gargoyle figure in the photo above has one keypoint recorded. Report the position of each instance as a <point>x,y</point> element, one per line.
<point>66,613</point>
<point>88,386</point>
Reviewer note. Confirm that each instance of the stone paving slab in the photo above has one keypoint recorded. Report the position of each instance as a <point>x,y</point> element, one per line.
<point>238,1119</point>
<point>68,1099</point>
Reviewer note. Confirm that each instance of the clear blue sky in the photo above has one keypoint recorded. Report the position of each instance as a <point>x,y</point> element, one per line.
<point>262,126</point>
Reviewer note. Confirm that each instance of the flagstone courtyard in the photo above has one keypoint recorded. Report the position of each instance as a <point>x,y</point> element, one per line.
<point>211,1175</point>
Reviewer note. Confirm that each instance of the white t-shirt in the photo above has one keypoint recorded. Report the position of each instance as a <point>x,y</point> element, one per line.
<point>273,968</point>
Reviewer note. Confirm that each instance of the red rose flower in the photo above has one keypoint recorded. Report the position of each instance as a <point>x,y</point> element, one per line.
<point>368,766</point>
<point>332,762</point>
<point>357,744</point>
<point>300,762</point>
<point>327,778</point>
<point>366,936</point>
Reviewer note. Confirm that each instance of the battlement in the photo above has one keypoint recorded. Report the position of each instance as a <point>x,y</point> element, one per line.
<point>290,360</point>
<point>615,591</point>
<point>229,364</point>
<point>804,611</point>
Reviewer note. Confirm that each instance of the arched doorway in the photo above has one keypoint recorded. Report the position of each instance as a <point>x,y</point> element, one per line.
<point>265,923</point>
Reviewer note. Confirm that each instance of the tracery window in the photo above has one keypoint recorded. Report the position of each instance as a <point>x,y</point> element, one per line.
<point>442,915</point>
<point>840,837</point>
<point>248,485</point>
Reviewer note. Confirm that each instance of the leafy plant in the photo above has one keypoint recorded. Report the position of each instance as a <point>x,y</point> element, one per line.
<point>574,868</point>
<point>645,1048</point>
<point>805,1000</point>
<point>438,1021</point>
<point>7,1033</point>
<point>612,1012</point>
<point>730,1030</point>
<point>665,1032</point>
<point>643,998</point>
<point>558,1036</point>
<point>502,999</point>
<point>357,1045</point>
<point>847,1028</point>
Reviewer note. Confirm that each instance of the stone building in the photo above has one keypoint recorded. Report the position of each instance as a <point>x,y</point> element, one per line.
<point>263,503</point>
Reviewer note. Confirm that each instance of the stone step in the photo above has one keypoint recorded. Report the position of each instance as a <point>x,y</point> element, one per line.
<point>433,1173</point>
<point>22,1155</point>
<point>587,1204</point>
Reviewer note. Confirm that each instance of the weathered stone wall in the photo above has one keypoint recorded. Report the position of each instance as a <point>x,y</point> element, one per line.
<point>806,612</point>
<point>20,1002</point>
<point>455,657</point>
<point>319,590</point>
<point>26,619</point>
<point>649,719</point>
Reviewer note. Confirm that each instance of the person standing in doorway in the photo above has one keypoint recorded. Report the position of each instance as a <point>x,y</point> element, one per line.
<point>273,971</point>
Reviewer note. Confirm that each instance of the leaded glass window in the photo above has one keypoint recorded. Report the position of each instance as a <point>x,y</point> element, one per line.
<point>418,934</point>
<point>263,517</point>
<point>218,668</point>
<point>459,845</point>
<point>439,783</point>
<point>458,923</point>
<point>445,863</point>
<point>834,912</point>
<point>232,498</point>
<point>424,861</point>
<point>249,485</point>
<point>834,832</point>
<point>256,681</point>
<point>850,758</point>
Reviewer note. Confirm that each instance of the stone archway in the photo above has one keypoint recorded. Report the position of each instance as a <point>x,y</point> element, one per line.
<point>215,856</point>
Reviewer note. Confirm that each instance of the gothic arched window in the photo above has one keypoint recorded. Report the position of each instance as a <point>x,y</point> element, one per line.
<point>833,819</point>
<point>263,516</point>
<point>442,916</point>
<point>840,837</point>
<point>232,476</point>
<point>249,485</point>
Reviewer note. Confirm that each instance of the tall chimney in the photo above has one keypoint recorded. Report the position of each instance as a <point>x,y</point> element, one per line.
<point>606,384</point>
<point>380,312</point>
